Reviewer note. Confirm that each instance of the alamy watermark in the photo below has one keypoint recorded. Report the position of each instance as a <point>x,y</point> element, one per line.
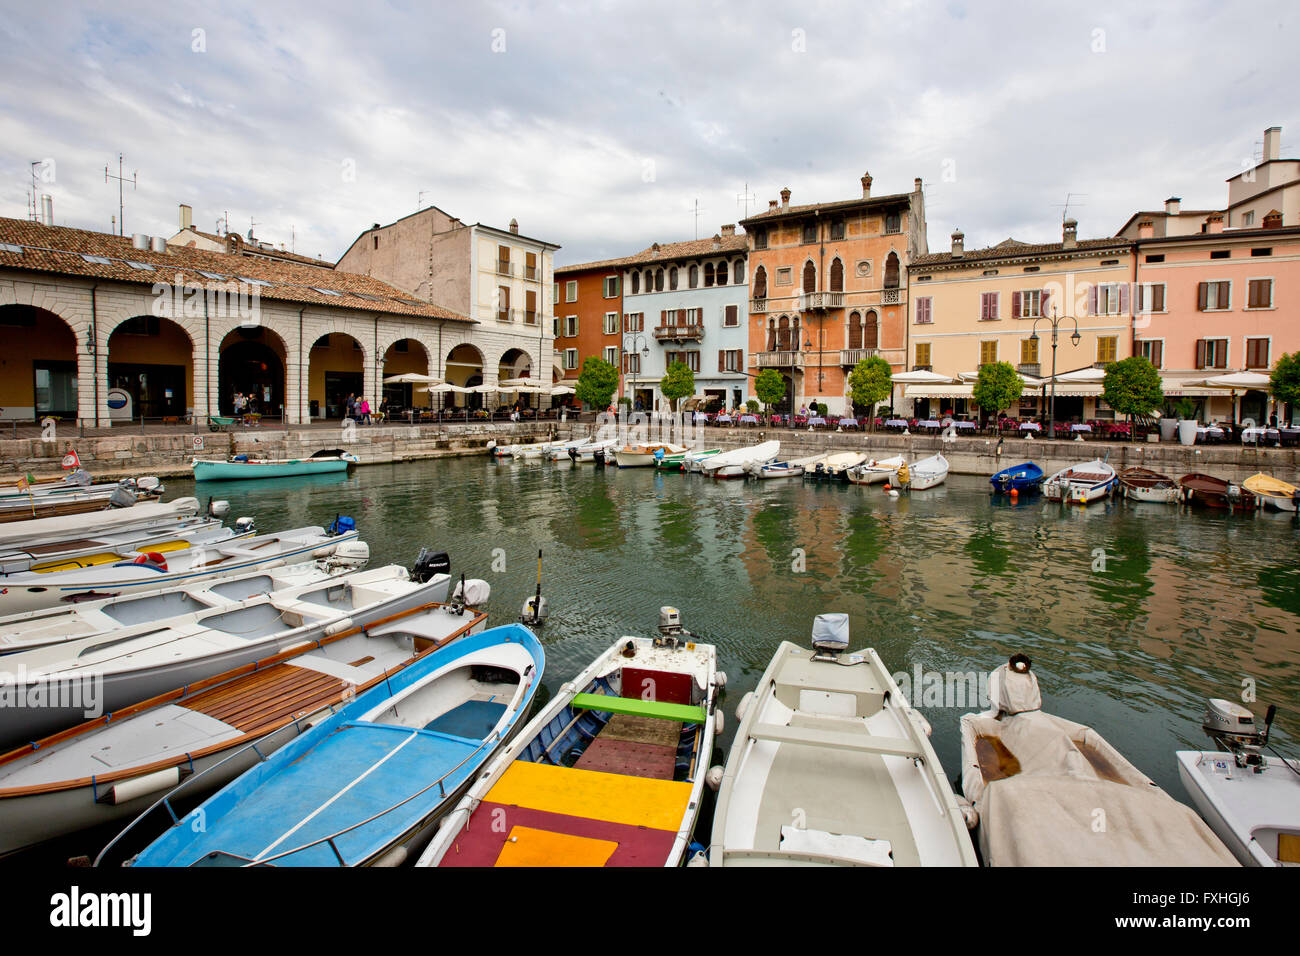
<point>214,300</point>
<point>964,690</point>
<point>84,692</point>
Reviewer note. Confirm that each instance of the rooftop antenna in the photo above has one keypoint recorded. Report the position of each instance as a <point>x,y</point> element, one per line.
<point>697,218</point>
<point>419,198</point>
<point>121,180</point>
<point>251,224</point>
<point>745,197</point>
<point>32,201</point>
<point>1065,208</point>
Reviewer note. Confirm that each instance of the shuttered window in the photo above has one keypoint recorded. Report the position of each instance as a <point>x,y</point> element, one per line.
<point>760,283</point>
<point>809,277</point>
<point>1256,353</point>
<point>988,352</point>
<point>1151,297</point>
<point>1029,351</point>
<point>837,276</point>
<point>855,330</point>
<point>1211,353</point>
<point>1260,294</point>
<point>731,316</point>
<point>1213,296</point>
<point>988,306</point>
<point>923,316</point>
<point>922,354</point>
<point>1153,352</point>
<point>872,337</point>
<point>1107,348</point>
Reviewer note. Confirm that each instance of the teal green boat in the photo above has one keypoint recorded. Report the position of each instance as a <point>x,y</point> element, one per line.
<point>242,466</point>
<point>675,462</point>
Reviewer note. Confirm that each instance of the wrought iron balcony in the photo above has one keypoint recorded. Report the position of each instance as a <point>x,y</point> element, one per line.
<point>891,296</point>
<point>679,333</point>
<point>1030,368</point>
<point>758,305</point>
<point>854,356</point>
<point>780,359</point>
<point>816,301</point>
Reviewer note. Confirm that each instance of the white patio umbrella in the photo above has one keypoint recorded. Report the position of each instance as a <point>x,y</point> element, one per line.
<point>1240,380</point>
<point>447,387</point>
<point>412,378</point>
<point>1093,375</point>
<point>921,378</point>
<point>563,390</point>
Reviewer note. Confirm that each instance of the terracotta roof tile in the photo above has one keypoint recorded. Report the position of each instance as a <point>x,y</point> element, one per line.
<point>778,212</point>
<point>665,252</point>
<point>1014,249</point>
<point>59,249</point>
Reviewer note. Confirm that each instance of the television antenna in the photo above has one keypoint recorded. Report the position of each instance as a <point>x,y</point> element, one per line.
<point>1065,207</point>
<point>745,197</point>
<point>121,181</point>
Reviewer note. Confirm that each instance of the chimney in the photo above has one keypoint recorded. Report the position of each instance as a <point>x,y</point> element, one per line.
<point>1146,229</point>
<point>1172,205</point>
<point>514,226</point>
<point>1272,143</point>
<point>717,241</point>
<point>916,184</point>
<point>958,244</point>
<point>140,241</point>
<point>47,210</point>
<point>233,242</point>
<point>729,229</point>
<point>771,205</point>
<point>866,185</point>
<point>1070,233</point>
<point>785,198</point>
<point>1214,222</point>
<point>1273,220</point>
<point>187,217</point>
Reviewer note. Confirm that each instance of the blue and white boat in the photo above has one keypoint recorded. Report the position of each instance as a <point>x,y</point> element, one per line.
<point>1023,477</point>
<point>242,466</point>
<point>367,785</point>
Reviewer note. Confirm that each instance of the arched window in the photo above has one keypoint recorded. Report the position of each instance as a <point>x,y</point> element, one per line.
<point>708,274</point>
<point>872,331</point>
<point>760,283</point>
<point>855,330</point>
<point>636,282</point>
<point>809,277</point>
<point>794,333</point>
<point>722,273</point>
<point>738,273</point>
<point>891,271</point>
<point>659,280</point>
<point>672,278</point>
<point>649,280</point>
<point>694,276</point>
<point>771,335</point>
<point>783,334</point>
<point>837,275</point>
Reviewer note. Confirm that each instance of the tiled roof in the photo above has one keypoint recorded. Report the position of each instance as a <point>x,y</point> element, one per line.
<point>61,250</point>
<point>1013,249</point>
<point>246,249</point>
<point>692,249</point>
<point>778,212</point>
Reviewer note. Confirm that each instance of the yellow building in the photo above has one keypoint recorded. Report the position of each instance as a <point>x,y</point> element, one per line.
<point>973,307</point>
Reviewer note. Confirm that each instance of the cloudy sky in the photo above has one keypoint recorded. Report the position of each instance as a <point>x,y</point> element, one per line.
<point>601,125</point>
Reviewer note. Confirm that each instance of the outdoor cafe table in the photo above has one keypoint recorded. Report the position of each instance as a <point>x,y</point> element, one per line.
<point>964,426</point>
<point>1209,434</point>
<point>1030,427</point>
<point>700,417</point>
<point>817,420</point>
<point>895,422</point>
<point>1080,428</point>
<point>749,419</point>
<point>848,423</point>
<point>722,420</point>
<point>929,423</point>
<point>1253,436</point>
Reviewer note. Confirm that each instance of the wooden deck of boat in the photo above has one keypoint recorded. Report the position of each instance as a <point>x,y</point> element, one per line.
<point>269,697</point>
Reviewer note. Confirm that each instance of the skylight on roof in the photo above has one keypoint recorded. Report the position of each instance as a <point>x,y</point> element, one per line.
<point>254,281</point>
<point>98,260</point>
<point>10,247</point>
<point>325,291</point>
<point>367,296</point>
<point>213,275</point>
<point>142,266</point>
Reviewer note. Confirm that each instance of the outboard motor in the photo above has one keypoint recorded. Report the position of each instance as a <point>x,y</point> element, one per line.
<point>348,556</point>
<point>429,563</point>
<point>342,524</point>
<point>243,525</point>
<point>598,456</point>
<point>1232,727</point>
<point>219,509</point>
<point>671,631</point>
<point>80,478</point>
<point>150,486</point>
<point>830,635</point>
<point>474,592</point>
<point>121,498</point>
<point>573,454</point>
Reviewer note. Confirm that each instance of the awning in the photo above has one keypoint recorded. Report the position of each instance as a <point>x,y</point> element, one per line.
<point>1188,387</point>
<point>1072,389</point>
<point>938,391</point>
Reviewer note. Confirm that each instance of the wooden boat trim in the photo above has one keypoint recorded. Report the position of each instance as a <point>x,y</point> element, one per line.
<point>191,690</point>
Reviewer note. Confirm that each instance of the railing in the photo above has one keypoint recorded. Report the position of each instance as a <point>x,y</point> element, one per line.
<point>1030,368</point>
<point>922,368</point>
<point>780,360</point>
<point>505,268</point>
<point>507,315</point>
<point>530,272</point>
<point>821,300</point>
<point>854,356</point>
<point>891,296</point>
<point>758,305</point>
<point>679,333</point>
<point>530,318</point>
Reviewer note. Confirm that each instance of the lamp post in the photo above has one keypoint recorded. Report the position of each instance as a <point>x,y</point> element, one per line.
<point>644,352</point>
<point>1074,340</point>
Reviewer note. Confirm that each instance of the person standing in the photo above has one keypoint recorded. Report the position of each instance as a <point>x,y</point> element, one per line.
<point>363,411</point>
<point>352,405</point>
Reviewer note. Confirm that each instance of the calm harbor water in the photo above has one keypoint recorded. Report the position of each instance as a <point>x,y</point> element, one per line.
<point>1132,614</point>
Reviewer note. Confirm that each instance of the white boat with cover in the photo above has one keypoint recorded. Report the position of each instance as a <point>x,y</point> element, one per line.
<point>93,549</point>
<point>834,467</point>
<point>927,473</point>
<point>1251,800</point>
<point>153,515</point>
<point>562,452</point>
<point>112,768</point>
<point>831,766</point>
<point>150,571</point>
<point>589,452</point>
<point>1037,782</point>
<point>85,677</point>
<point>740,461</point>
<point>876,470</point>
<point>643,455</point>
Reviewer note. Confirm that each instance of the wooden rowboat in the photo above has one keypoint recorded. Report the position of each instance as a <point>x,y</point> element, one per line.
<point>1273,492</point>
<point>1215,493</point>
<point>1143,484</point>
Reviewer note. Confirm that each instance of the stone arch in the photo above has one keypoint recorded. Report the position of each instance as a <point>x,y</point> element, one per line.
<point>337,367</point>
<point>253,360</point>
<point>402,356</point>
<point>152,359</point>
<point>39,367</point>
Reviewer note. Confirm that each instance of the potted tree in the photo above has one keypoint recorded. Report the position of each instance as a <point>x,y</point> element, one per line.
<point>998,385</point>
<point>770,387</point>
<point>870,383</point>
<point>678,383</point>
<point>1132,387</point>
<point>1184,408</point>
<point>596,383</point>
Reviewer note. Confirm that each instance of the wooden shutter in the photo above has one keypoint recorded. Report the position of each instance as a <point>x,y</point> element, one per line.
<point>722,359</point>
<point>1042,302</point>
<point>1093,296</point>
<point>1223,295</point>
<point>1015,305</point>
<point>1200,351</point>
<point>1202,300</point>
<point>1123,298</point>
<point>837,276</point>
<point>809,277</point>
<point>733,315</point>
<point>1158,298</point>
<point>1221,355</point>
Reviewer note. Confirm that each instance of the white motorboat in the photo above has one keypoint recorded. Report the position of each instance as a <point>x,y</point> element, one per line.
<point>834,467</point>
<point>643,455</point>
<point>1082,483</point>
<point>1250,800</point>
<point>1050,792</point>
<point>151,571</point>
<point>537,450</point>
<point>876,470</point>
<point>153,515</point>
<point>107,548</point>
<point>585,454</point>
<point>740,461</point>
<point>77,484</point>
<point>694,460</point>
<point>831,766</point>
<point>1143,484</point>
<point>927,473</point>
<point>49,688</point>
<point>779,469</point>
<point>809,463</point>
<point>610,773</point>
<point>568,450</point>
<point>112,768</point>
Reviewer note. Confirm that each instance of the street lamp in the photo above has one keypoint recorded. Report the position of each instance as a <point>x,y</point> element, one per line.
<point>644,352</point>
<point>1074,340</point>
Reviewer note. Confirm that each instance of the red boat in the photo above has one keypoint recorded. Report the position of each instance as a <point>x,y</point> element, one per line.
<point>1215,492</point>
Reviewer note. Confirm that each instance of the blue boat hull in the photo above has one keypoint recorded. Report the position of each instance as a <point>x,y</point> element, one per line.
<point>1023,477</point>
<point>232,470</point>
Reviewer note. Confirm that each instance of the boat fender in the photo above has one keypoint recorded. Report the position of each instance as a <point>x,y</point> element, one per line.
<point>338,627</point>
<point>968,812</point>
<point>719,722</point>
<point>893,494</point>
<point>129,790</point>
<point>743,707</point>
<point>714,778</point>
<point>720,679</point>
<point>698,859</point>
<point>394,857</point>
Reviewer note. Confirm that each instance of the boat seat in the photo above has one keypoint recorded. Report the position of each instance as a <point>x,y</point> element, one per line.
<point>686,713</point>
<point>835,740</point>
<point>1085,476</point>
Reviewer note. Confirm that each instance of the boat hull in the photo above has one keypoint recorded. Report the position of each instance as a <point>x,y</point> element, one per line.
<point>1023,478</point>
<point>237,470</point>
<point>1246,810</point>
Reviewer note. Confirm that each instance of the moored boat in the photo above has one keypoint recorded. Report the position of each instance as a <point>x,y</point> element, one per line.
<point>114,767</point>
<point>366,785</point>
<point>106,548</point>
<point>1143,484</point>
<point>834,466</point>
<point>694,460</point>
<point>1037,782</point>
<point>1082,483</point>
<point>927,473</point>
<point>1215,493</point>
<point>643,455</point>
<point>1023,478</point>
<point>677,462</point>
<point>831,766</point>
<point>568,449</point>
<point>150,516</point>
<point>610,773</point>
<point>1272,492</point>
<point>779,469</point>
<point>740,461</point>
<point>875,471</point>
<point>244,467</point>
<point>591,451</point>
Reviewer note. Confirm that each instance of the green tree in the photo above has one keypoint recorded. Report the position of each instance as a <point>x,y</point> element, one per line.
<point>1286,379</point>
<point>677,383</point>
<point>769,386</point>
<point>596,383</point>
<point>1132,387</point>
<point>871,382</point>
<point>998,385</point>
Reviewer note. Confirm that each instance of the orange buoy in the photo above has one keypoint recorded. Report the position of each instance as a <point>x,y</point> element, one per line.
<point>886,488</point>
<point>1015,493</point>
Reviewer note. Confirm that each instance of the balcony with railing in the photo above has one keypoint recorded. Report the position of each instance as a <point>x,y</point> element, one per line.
<point>530,317</point>
<point>779,359</point>
<point>1030,368</point>
<point>530,272</point>
<point>818,301</point>
<point>679,333</point>
<point>758,305</point>
<point>854,356</point>
<point>504,268</point>
<point>507,315</point>
<point>891,296</point>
